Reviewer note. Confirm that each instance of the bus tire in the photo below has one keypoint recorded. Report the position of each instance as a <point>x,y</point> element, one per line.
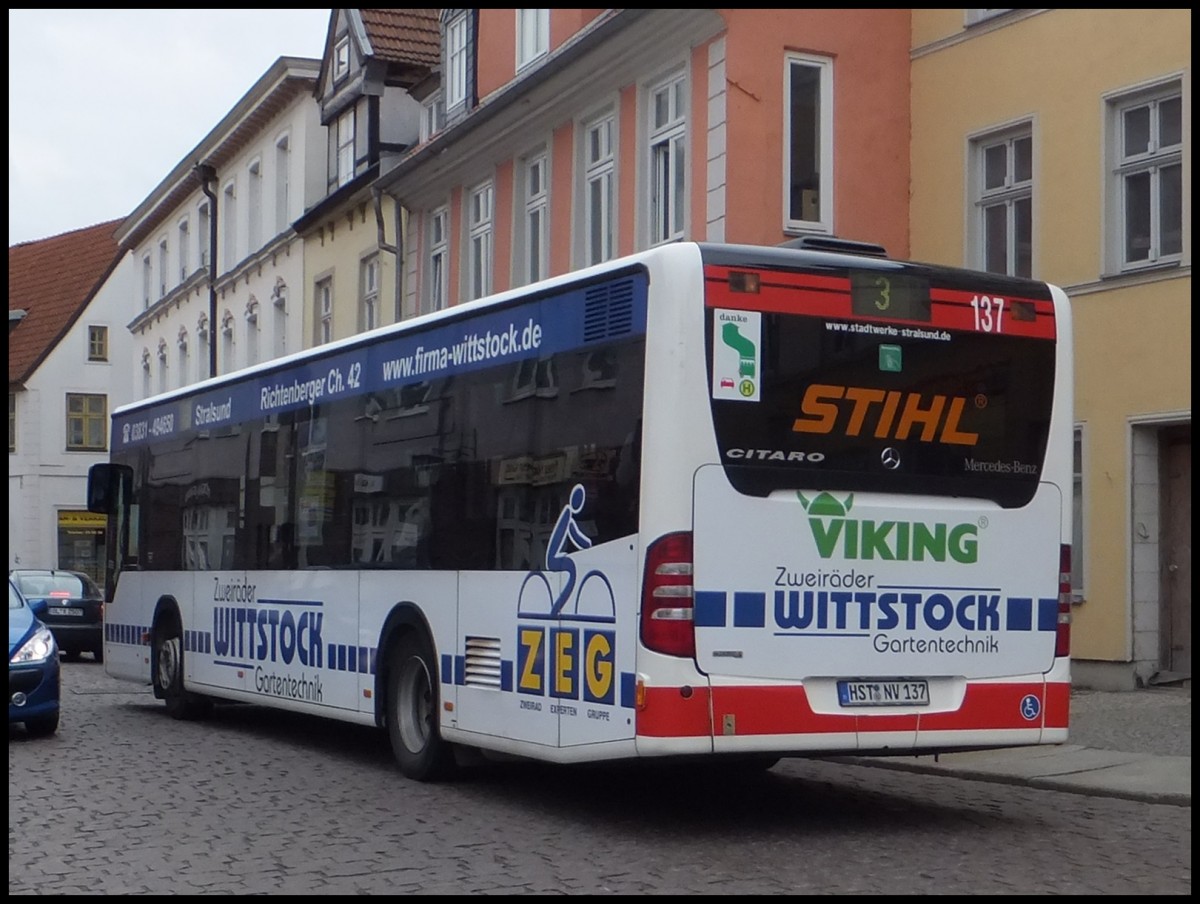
<point>412,714</point>
<point>168,671</point>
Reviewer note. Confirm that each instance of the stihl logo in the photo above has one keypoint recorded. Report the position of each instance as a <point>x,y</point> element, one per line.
<point>886,415</point>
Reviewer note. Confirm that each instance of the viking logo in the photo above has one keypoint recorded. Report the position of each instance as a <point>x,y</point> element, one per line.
<point>891,541</point>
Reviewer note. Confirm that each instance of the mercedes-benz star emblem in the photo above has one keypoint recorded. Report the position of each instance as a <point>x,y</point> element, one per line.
<point>890,458</point>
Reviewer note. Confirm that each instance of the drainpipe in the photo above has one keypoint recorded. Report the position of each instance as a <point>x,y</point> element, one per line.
<point>394,250</point>
<point>206,174</point>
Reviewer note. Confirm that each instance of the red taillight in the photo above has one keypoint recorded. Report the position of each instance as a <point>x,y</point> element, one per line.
<point>667,598</point>
<point>1062,635</point>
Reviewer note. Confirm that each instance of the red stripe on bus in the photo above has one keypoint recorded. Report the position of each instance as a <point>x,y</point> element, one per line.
<point>667,713</point>
<point>785,710</point>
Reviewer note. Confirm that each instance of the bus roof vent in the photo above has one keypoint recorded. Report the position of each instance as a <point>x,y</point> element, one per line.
<point>608,311</point>
<point>835,245</point>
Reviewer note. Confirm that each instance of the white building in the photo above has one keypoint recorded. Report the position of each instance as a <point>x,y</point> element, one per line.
<point>257,171</point>
<point>68,367</point>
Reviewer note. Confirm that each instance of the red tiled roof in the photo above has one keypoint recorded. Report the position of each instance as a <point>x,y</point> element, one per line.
<point>404,35</point>
<point>52,280</point>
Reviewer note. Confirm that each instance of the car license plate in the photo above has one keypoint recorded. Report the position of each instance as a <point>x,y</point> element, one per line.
<point>886,692</point>
<point>62,610</point>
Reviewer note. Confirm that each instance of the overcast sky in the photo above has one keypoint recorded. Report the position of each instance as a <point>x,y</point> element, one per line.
<point>103,103</point>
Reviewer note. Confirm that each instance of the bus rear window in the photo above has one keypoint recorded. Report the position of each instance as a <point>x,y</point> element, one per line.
<point>833,404</point>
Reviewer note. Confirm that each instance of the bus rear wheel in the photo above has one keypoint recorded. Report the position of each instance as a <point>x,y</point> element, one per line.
<point>168,671</point>
<point>412,714</point>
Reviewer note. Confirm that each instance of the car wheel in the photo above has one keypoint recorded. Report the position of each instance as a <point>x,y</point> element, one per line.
<point>412,713</point>
<point>42,726</point>
<point>168,672</point>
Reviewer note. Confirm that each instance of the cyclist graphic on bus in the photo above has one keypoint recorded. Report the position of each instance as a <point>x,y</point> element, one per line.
<point>566,529</point>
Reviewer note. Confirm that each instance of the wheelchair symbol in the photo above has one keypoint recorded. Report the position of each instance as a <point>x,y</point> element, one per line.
<point>1031,707</point>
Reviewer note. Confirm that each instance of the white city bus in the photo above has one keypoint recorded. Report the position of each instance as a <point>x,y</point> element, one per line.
<point>703,501</point>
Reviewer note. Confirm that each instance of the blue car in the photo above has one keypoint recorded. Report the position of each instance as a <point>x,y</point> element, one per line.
<point>34,684</point>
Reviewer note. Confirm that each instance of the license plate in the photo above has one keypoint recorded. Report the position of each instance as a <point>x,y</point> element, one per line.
<point>887,692</point>
<point>60,610</point>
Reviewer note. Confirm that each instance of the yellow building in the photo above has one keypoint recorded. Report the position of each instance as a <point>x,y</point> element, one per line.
<point>1057,143</point>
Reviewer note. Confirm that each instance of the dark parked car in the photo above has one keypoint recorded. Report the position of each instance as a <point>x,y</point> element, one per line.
<point>69,603</point>
<point>33,669</point>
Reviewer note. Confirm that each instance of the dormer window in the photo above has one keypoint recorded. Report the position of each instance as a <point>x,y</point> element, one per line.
<point>341,58</point>
<point>456,62</point>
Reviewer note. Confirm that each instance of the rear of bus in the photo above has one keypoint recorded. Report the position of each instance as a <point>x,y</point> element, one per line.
<point>876,460</point>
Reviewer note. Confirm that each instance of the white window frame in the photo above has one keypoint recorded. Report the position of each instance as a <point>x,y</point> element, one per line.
<point>1002,186</point>
<point>185,241</point>
<point>975,16</point>
<point>802,211</point>
<point>283,162</point>
<point>433,115</point>
<point>164,266</point>
<point>164,382</point>
<point>252,331</point>
<point>533,35</point>
<point>227,345</point>
<point>1152,163</point>
<point>202,228</point>
<point>456,62</point>
<point>323,310</point>
<point>344,128</point>
<point>480,238</point>
<point>202,353</point>
<point>229,247</point>
<point>438,260</point>
<point>182,342</point>
<point>147,279</point>
<point>254,201</point>
<point>341,58</point>
<point>666,130</point>
<point>599,148</point>
<point>533,262</point>
<point>368,287</point>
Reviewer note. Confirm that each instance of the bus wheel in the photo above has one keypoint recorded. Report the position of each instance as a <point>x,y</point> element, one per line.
<point>412,714</point>
<point>168,671</point>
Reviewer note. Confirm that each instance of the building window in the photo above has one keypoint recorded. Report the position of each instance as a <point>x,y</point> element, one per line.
<point>479,240</point>
<point>1002,175</point>
<point>202,352</point>
<point>975,16</point>
<point>282,180</point>
<point>12,422</point>
<point>252,331</point>
<point>433,116</point>
<point>600,165</point>
<point>97,343</point>
<point>323,308</point>
<point>1146,181</point>
<point>87,422</point>
<point>147,388</point>
<point>229,226</point>
<point>534,236</point>
<point>1077,521</point>
<point>456,62</point>
<point>254,207</point>
<point>808,142</point>
<point>147,279</point>
<point>227,342</point>
<point>279,300</point>
<point>183,355</point>
<point>202,236</point>
<point>341,58</point>
<point>439,258</point>
<point>368,284</point>
<point>667,127</point>
<point>343,149</point>
<point>184,241</point>
<point>162,366</point>
<point>163,269</point>
<point>533,35</point>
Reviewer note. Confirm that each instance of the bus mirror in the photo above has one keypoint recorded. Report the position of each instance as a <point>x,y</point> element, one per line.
<point>104,486</point>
